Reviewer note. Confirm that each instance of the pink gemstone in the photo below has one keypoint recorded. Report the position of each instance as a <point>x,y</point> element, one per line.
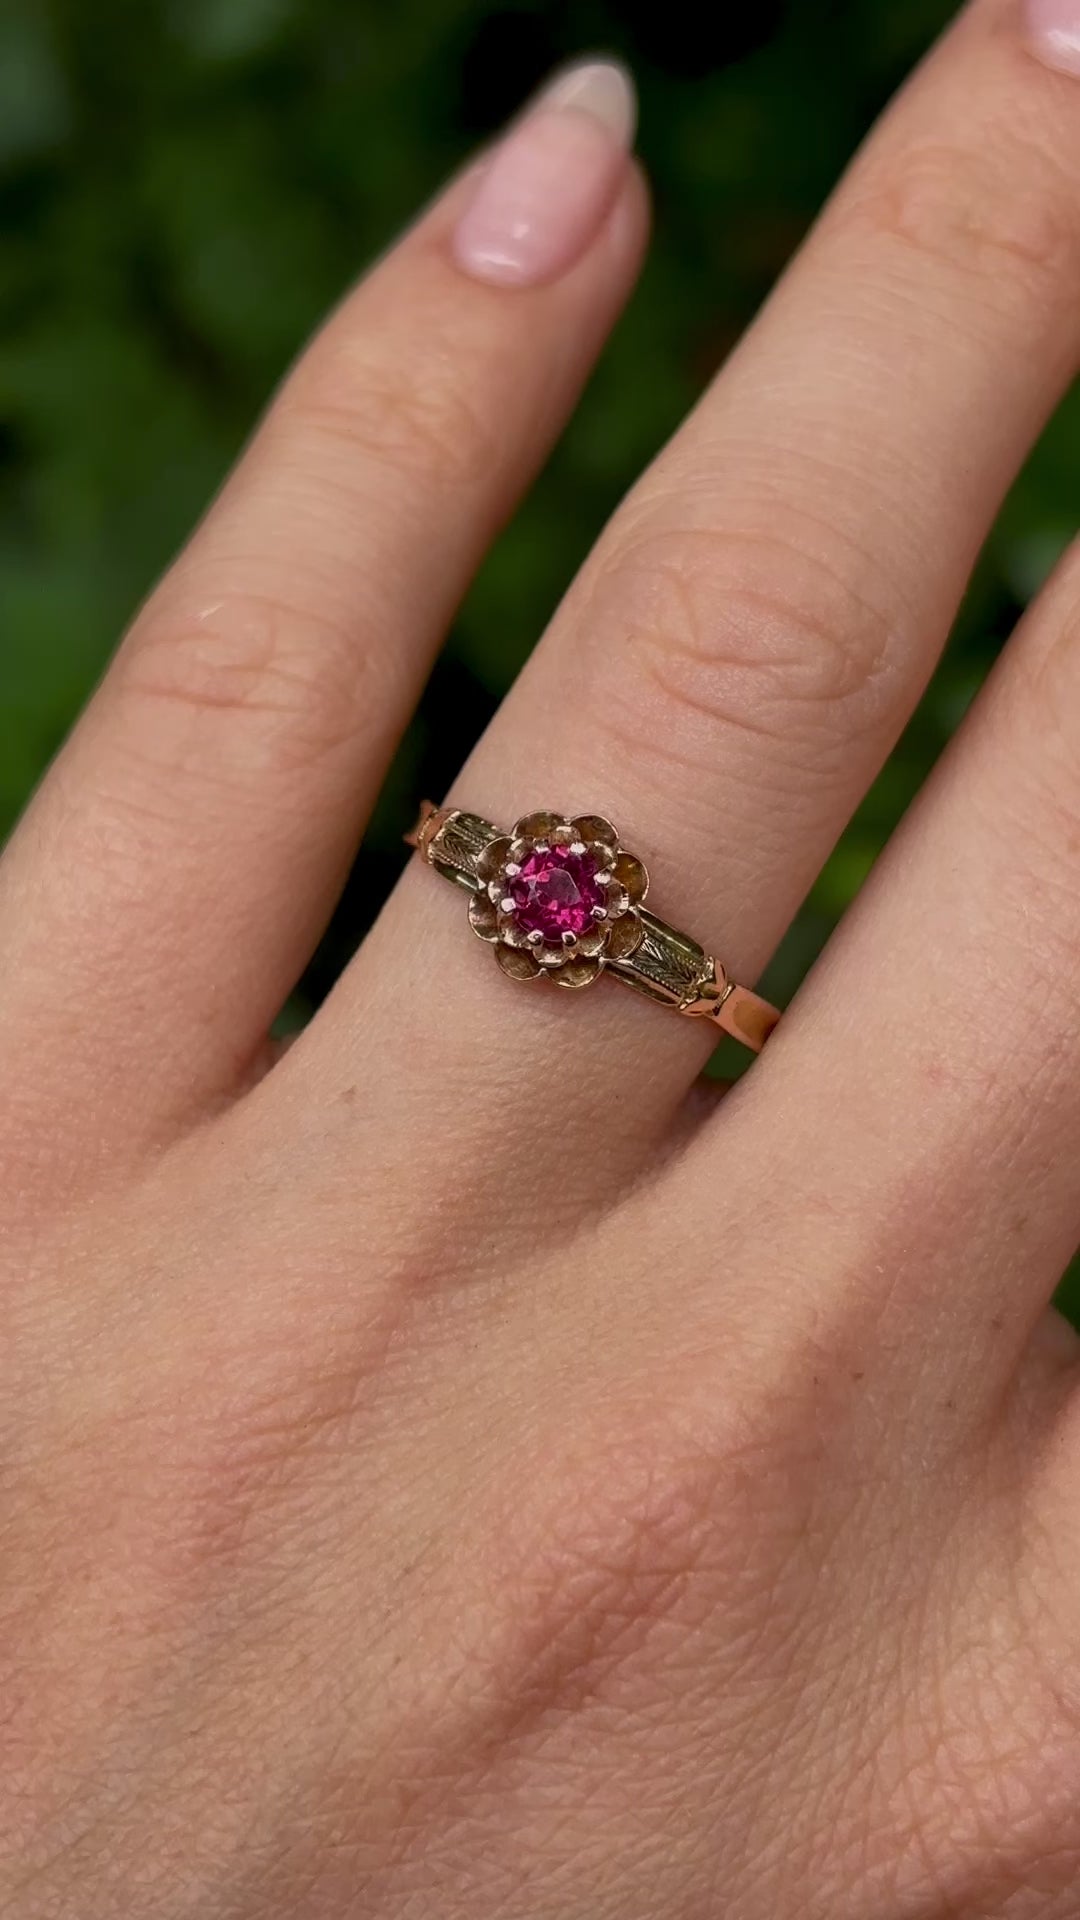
<point>555,893</point>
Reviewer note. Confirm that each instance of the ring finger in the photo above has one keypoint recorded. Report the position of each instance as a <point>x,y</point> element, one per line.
<point>741,650</point>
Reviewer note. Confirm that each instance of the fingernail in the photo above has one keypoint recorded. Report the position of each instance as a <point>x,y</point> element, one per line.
<point>1053,31</point>
<point>545,193</point>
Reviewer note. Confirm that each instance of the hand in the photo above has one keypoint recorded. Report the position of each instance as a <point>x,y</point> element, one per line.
<point>453,1470</point>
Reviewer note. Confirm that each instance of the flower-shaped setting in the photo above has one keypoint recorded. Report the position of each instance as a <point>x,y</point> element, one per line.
<point>558,897</point>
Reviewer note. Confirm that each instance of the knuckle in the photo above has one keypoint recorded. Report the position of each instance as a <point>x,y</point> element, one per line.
<point>286,685</point>
<point>753,632</point>
<point>646,1522</point>
<point>603,1555</point>
<point>421,420</point>
<point>1003,208</point>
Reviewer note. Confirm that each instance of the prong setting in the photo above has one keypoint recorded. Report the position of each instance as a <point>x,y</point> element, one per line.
<point>556,890</point>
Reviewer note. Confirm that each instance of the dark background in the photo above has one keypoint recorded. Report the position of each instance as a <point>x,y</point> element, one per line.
<point>185,185</point>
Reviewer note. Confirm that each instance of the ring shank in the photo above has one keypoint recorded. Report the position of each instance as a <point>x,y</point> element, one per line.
<point>747,1017</point>
<point>666,965</point>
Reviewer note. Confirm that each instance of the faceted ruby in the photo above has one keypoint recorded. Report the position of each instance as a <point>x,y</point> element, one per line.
<point>555,893</point>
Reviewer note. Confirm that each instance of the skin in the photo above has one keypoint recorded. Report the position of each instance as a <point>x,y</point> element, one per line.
<point>448,1470</point>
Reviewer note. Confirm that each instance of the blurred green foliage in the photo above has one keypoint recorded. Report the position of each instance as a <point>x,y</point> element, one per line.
<point>185,185</point>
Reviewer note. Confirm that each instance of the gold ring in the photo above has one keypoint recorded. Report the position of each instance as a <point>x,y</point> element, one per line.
<point>560,897</point>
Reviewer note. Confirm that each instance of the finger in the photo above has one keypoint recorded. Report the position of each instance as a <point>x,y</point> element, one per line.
<point>741,650</point>
<point>177,866</point>
<point>941,1033</point>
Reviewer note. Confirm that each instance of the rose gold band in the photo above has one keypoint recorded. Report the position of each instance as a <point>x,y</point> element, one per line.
<point>747,1017</point>
<point>561,896</point>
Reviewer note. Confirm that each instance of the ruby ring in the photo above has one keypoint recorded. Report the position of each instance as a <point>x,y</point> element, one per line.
<point>560,898</point>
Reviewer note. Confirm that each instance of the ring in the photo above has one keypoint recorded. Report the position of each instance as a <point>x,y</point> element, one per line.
<point>560,897</point>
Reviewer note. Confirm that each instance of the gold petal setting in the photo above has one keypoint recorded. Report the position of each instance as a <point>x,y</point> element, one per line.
<point>632,874</point>
<point>624,936</point>
<point>593,827</point>
<point>484,917</point>
<point>578,973</point>
<point>536,826</point>
<point>491,862</point>
<point>509,931</point>
<point>593,940</point>
<point>517,963</point>
<point>614,934</point>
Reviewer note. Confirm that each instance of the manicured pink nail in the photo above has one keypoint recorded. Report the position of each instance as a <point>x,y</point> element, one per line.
<point>544,194</point>
<point>1053,31</point>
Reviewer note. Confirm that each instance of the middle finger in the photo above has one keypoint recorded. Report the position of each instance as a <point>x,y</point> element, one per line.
<point>741,650</point>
